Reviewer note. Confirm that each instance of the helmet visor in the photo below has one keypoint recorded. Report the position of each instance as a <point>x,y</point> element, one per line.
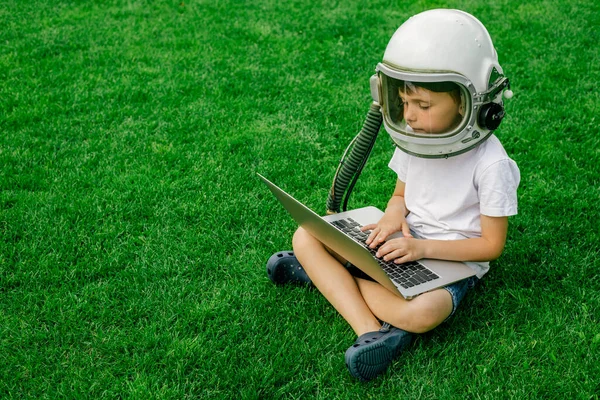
<point>425,110</point>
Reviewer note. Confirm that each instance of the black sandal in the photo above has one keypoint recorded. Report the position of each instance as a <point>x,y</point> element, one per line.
<point>373,352</point>
<point>283,267</point>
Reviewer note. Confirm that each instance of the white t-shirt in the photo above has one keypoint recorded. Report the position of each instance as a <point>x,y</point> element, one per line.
<point>446,196</point>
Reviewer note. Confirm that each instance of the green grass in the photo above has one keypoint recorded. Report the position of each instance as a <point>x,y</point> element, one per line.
<point>134,232</point>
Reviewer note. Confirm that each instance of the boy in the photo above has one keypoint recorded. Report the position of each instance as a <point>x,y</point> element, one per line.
<point>440,91</point>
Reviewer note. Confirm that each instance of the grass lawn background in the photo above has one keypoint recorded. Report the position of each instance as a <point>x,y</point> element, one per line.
<point>134,232</point>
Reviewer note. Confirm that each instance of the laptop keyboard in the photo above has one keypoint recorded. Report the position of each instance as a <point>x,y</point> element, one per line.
<point>406,275</point>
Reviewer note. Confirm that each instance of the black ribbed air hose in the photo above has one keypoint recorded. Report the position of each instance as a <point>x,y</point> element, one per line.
<point>352,163</point>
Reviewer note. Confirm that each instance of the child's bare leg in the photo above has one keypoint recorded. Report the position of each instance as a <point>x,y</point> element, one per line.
<point>335,282</point>
<point>418,315</point>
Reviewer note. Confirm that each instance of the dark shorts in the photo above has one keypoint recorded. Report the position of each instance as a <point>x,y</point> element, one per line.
<point>458,290</point>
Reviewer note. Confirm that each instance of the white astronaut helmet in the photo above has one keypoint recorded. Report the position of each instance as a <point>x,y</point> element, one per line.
<point>442,51</point>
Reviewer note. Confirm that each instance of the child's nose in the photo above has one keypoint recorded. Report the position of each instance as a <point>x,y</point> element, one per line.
<point>409,113</point>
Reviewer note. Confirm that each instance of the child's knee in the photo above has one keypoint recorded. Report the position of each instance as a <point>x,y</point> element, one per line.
<point>302,240</point>
<point>423,316</point>
<point>426,322</point>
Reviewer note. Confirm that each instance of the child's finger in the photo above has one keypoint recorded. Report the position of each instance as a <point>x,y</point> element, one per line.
<point>386,249</point>
<point>402,260</point>
<point>369,227</point>
<point>381,237</point>
<point>372,236</point>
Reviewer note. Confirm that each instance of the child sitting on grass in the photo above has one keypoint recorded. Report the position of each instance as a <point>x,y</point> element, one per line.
<point>440,91</point>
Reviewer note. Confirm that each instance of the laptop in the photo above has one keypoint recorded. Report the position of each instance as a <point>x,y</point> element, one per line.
<point>341,233</point>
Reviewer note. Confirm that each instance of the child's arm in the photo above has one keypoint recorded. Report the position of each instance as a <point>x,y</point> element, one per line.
<point>485,248</point>
<point>393,220</point>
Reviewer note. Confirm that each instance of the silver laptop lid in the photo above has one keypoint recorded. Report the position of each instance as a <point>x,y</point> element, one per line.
<point>332,237</point>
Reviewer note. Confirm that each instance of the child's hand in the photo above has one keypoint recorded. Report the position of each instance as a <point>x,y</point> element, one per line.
<point>402,250</point>
<point>386,226</point>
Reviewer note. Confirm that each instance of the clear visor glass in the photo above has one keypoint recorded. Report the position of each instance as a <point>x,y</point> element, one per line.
<point>425,109</point>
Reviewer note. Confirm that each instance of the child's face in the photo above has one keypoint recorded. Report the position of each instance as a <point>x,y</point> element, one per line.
<point>430,112</point>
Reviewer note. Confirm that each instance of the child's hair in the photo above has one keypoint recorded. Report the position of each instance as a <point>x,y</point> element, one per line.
<point>439,87</point>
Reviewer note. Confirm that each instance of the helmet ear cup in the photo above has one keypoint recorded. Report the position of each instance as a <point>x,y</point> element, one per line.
<point>490,115</point>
